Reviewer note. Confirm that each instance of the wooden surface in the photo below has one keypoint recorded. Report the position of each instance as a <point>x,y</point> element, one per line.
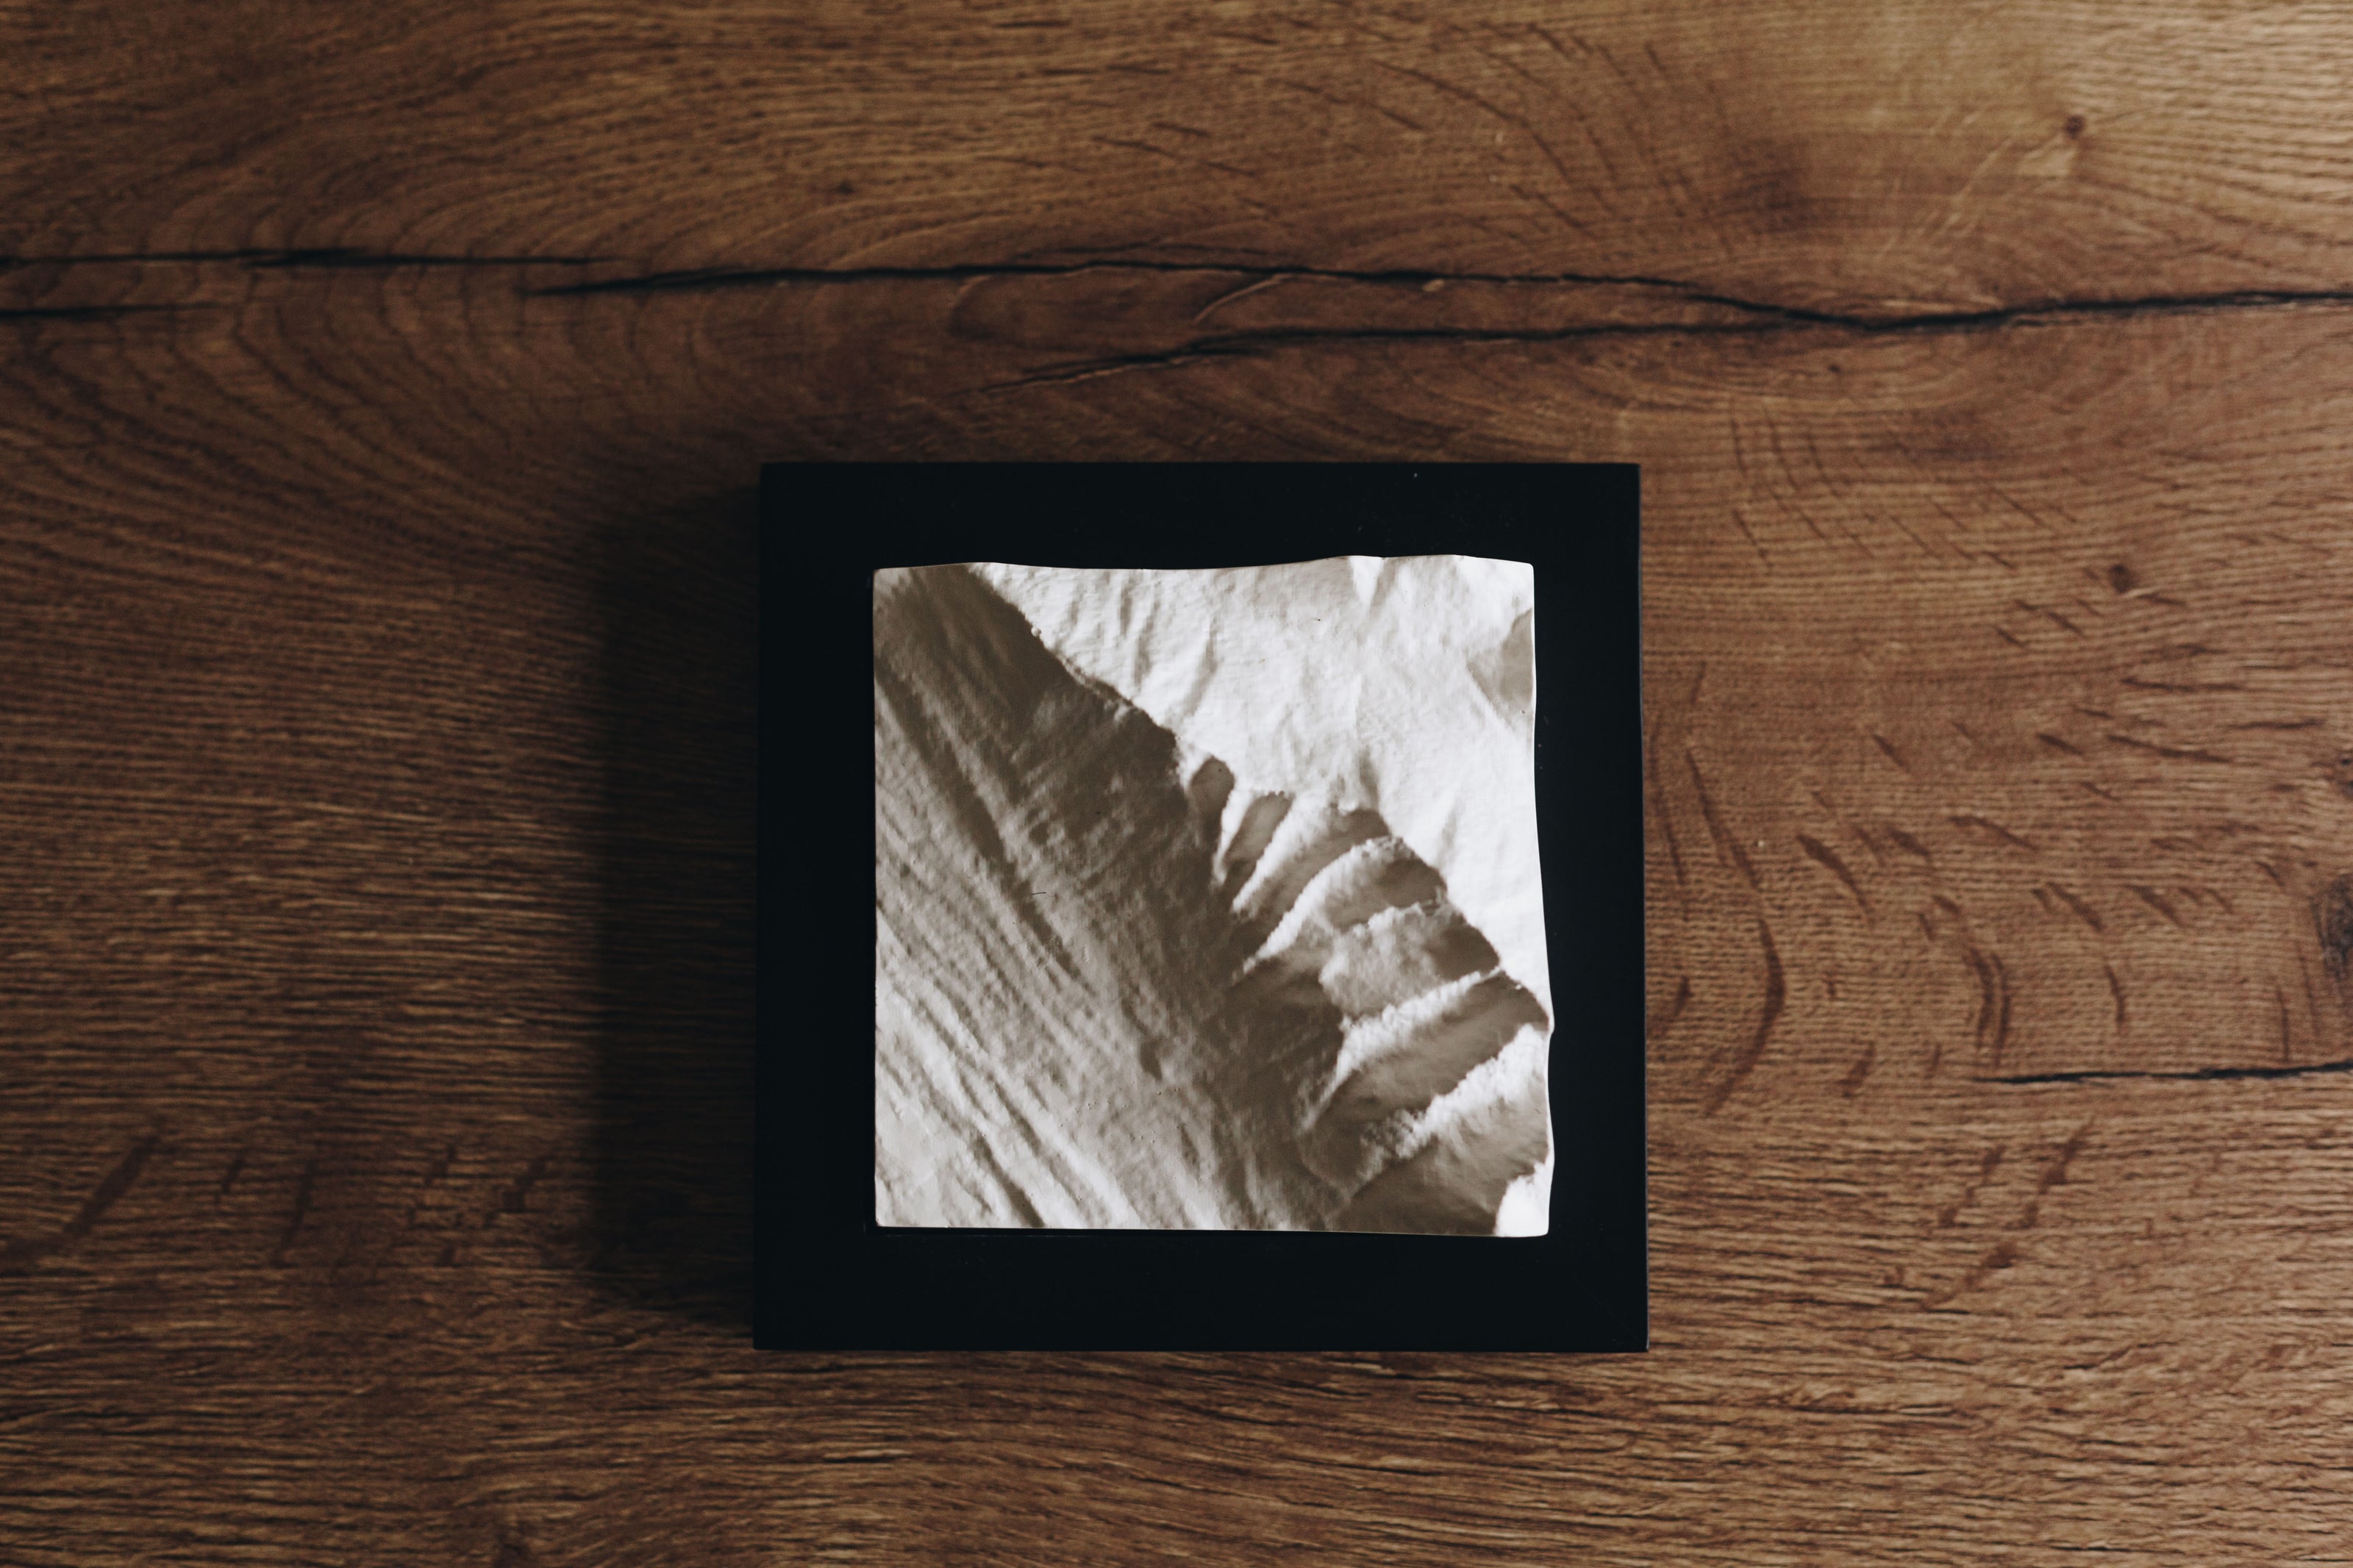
<point>382,389</point>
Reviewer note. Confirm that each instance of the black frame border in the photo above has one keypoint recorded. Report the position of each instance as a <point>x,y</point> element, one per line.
<point>828,1278</point>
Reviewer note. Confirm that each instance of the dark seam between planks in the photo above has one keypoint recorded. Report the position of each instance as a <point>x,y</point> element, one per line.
<point>1769,317</point>
<point>725,277</point>
<point>321,256</point>
<point>733,277</point>
<point>770,277</point>
<point>2195,1075</point>
<point>87,312</point>
<point>1783,320</point>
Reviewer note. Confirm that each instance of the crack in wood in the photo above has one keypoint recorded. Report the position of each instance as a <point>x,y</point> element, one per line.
<point>2189,1074</point>
<point>18,1256</point>
<point>2058,307</point>
<point>85,312</point>
<point>328,256</point>
<point>1238,345</point>
<point>1827,860</point>
<point>1764,316</point>
<point>703,278</point>
<point>1660,1021</point>
<point>304,1187</point>
<point>1776,992</point>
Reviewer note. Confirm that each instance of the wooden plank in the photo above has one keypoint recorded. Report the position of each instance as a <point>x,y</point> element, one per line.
<point>371,979</point>
<point>1840,1367</point>
<point>1848,156</point>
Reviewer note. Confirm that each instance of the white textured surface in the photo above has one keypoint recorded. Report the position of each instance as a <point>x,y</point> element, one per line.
<point>1160,941</point>
<point>1406,684</point>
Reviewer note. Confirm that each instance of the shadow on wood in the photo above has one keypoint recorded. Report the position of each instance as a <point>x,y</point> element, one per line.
<point>680,601</point>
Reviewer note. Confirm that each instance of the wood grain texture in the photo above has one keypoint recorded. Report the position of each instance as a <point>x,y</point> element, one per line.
<point>381,394</point>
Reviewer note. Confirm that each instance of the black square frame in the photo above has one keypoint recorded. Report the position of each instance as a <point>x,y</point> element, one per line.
<point>829,1279</point>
